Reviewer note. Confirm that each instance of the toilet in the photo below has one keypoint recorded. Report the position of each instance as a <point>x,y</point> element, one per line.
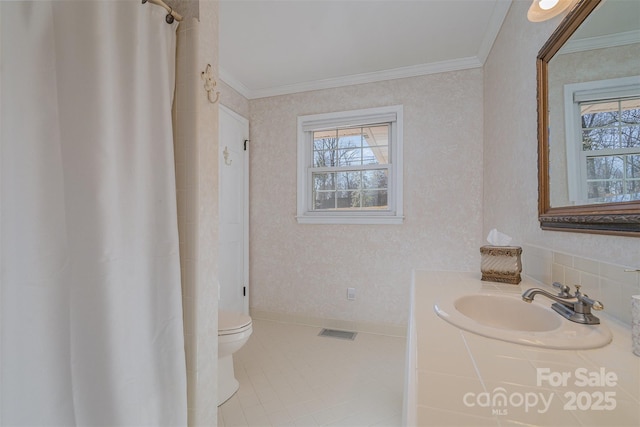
<point>234,330</point>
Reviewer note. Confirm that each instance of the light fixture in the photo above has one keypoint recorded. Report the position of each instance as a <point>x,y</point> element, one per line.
<point>541,10</point>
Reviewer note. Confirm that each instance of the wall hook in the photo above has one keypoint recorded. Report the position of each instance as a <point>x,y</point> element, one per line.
<point>226,156</point>
<point>210,84</point>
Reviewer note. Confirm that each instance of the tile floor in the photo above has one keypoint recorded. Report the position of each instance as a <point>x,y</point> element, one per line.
<point>289,376</point>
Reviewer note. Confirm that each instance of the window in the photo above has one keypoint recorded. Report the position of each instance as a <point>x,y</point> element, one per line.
<point>350,167</point>
<point>603,140</point>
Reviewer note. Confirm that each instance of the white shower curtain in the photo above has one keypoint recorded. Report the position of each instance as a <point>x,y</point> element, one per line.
<point>90,302</point>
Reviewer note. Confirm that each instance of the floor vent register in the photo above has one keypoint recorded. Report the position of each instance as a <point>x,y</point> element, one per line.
<point>333,333</point>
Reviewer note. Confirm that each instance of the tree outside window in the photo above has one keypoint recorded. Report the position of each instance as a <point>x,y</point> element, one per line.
<point>611,149</point>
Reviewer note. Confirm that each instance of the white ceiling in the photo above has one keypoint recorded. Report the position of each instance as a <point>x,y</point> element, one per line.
<point>274,47</point>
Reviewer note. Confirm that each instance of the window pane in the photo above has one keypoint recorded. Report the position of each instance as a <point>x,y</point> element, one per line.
<point>374,179</point>
<point>324,158</point>
<point>602,189</point>
<point>324,150</point>
<point>349,157</point>
<point>594,168</point>
<point>324,134</point>
<point>324,200</point>
<point>377,155</point>
<point>322,144</point>
<point>376,145</point>
<point>375,199</point>
<point>605,167</point>
<point>600,120</point>
<point>349,180</point>
<point>324,181</point>
<point>600,139</point>
<point>350,138</point>
<point>348,199</point>
<point>633,166</point>
<point>630,111</point>
<point>594,112</point>
<point>630,136</point>
<point>633,188</point>
<point>376,135</point>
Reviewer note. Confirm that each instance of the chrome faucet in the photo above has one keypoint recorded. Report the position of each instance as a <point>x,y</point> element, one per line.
<point>576,307</point>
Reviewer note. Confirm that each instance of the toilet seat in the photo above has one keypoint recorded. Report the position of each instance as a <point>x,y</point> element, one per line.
<point>230,323</point>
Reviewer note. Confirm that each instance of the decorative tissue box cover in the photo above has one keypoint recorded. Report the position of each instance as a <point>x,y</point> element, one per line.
<point>501,264</point>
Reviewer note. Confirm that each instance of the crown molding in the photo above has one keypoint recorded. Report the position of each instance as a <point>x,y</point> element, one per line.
<point>234,83</point>
<point>498,16</point>
<point>355,79</point>
<point>600,42</point>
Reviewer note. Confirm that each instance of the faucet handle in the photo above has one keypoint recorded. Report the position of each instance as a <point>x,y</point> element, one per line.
<point>584,298</point>
<point>596,305</point>
<point>564,289</point>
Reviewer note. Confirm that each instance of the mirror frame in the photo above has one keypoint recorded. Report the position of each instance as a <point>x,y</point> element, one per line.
<point>622,218</point>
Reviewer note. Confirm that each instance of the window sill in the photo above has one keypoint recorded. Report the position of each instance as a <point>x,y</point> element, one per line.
<point>343,219</point>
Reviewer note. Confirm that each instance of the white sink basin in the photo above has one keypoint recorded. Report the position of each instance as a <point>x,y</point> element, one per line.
<point>509,318</point>
<point>506,312</point>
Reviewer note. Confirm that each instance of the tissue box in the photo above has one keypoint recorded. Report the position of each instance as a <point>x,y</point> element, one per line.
<point>501,264</point>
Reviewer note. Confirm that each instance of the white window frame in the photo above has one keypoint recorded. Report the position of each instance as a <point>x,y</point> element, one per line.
<point>308,124</point>
<point>574,95</point>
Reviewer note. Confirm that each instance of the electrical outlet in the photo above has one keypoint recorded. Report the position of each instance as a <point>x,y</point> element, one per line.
<point>351,294</point>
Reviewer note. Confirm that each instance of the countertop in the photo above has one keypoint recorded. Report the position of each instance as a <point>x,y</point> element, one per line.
<point>457,378</point>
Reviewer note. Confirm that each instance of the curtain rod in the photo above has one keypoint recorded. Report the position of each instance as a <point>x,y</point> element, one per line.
<point>170,10</point>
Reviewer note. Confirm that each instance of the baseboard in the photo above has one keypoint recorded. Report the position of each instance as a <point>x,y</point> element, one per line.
<point>348,325</point>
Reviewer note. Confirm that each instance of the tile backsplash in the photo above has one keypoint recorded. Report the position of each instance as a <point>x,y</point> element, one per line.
<point>605,282</point>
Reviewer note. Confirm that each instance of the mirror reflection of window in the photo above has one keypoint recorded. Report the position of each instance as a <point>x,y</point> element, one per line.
<point>611,149</point>
<point>602,125</point>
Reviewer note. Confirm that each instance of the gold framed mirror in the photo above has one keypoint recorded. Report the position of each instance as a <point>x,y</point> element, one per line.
<point>581,189</point>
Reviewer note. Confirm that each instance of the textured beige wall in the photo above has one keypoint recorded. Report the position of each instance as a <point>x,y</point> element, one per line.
<point>306,269</point>
<point>510,147</point>
<point>233,100</point>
